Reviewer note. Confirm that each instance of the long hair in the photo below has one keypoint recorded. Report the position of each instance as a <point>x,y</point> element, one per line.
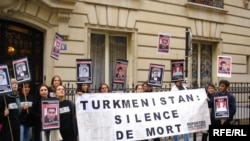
<point>100,87</point>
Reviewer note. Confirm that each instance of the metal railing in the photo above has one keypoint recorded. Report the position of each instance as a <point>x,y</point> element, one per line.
<point>214,3</point>
<point>240,90</point>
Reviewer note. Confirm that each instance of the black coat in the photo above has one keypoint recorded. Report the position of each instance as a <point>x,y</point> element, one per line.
<point>11,123</point>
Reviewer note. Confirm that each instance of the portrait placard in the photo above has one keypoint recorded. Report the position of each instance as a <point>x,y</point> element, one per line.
<point>221,109</point>
<point>50,114</point>
<point>84,71</point>
<point>21,70</point>
<point>56,47</point>
<point>163,45</point>
<point>224,66</point>
<point>5,85</point>
<point>120,71</point>
<point>177,70</point>
<point>155,75</point>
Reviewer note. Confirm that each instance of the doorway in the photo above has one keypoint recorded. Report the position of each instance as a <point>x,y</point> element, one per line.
<point>18,41</point>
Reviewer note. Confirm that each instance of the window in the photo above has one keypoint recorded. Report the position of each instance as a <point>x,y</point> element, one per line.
<point>105,49</point>
<point>201,65</point>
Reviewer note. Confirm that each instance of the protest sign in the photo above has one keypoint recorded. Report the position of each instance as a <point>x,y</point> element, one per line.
<point>130,116</point>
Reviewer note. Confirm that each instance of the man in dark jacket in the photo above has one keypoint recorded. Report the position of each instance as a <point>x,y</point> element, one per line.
<point>228,99</point>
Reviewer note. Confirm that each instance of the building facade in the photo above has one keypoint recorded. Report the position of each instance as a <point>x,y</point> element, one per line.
<point>107,30</point>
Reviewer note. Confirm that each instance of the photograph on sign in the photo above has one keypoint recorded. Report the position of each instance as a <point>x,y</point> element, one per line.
<point>155,75</point>
<point>163,45</point>
<point>50,114</point>
<point>120,71</point>
<point>5,85</point>
<point>83,71</point>
<point>221,107</point>
<point>56,47</point>
<point>224,66</point>
<point>177,70</point>
<point>21,70</point>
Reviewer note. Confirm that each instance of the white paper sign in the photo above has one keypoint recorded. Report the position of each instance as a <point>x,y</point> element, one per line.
<point>133,116</point>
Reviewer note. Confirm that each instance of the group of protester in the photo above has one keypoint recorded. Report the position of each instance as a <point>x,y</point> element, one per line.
<point>211,95</point>
<point>20,111</point>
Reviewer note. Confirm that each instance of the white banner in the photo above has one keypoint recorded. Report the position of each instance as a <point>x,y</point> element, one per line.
<point>137,116</point>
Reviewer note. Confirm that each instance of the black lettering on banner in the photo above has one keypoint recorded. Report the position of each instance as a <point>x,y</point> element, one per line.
<point>128,135</point>
<point>97,106</point>
<point>186,99</point>
<point>136,118</point>
<point>153,100</point>
<point>163,101</point>
<point>172,99</point>
<point>147,117</point>
<point>135,103</point>
<point>144,102</point>
<point>153,131</point>
<point>116,104</point>
<point>128,120</point>
<point>118,119</point>
<point>154,116</point>
<point>106,104</point>
<point>125,104</point>
<point>175,114</point>
<point>84,104</point>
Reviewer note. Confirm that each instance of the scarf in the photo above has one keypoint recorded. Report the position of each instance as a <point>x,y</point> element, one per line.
<point>17,97</point>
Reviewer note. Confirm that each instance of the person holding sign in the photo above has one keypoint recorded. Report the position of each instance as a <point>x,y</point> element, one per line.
<point>224,97</point>
<point>26,100</point>
<point>138,88</point>
<point>83,88</point>
<point>178,87</point>
<point>210,93</point>
<point>68,121</point>
<point>43,93</point>
<point>104,88</point>
<point>10,108</point>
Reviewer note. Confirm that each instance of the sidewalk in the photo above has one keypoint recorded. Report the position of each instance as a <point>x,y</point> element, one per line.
<point>198,138</point>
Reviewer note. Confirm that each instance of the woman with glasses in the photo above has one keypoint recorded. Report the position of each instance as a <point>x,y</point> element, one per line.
<point>104,88</point>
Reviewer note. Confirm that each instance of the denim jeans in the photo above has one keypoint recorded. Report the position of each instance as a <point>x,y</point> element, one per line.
<point>25,133</point>
<point>185,136</point>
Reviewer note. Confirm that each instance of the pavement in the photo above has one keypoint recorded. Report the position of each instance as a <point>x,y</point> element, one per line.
<point>198,137</point>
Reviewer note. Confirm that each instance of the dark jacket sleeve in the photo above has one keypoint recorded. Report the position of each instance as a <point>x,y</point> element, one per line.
<point>232,106</point>
<point>73,107</point>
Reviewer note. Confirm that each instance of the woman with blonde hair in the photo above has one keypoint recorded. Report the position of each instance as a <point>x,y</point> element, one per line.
<point>55,81</point>
<point>10,109</point>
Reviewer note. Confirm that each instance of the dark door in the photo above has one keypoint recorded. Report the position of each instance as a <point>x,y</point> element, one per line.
<point>18,41</point>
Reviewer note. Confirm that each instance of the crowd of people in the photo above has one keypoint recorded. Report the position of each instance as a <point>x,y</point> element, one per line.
<point>21,111</point>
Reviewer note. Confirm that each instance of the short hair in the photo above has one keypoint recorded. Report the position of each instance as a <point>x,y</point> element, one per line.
<point>13,81</point>
<point>84,69</point>
<point>2,75</point>
<point>222,62</point>
<point>119,68</point>
<point>54,108</point>
<point>210,85</point>
<point>226,82</point>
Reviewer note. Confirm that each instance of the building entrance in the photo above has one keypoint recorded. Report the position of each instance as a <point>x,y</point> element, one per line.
<point>19,41</point>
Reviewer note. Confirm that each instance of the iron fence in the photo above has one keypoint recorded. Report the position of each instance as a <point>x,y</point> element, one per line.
<point>214,3</point>
<point>241,91</point>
